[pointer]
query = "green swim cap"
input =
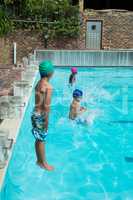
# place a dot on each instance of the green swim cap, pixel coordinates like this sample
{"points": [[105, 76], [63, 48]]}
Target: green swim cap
{"points": [[46, 67]]}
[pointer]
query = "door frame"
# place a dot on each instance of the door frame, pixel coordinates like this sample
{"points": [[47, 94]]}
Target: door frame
{"points": [[95, 20]]}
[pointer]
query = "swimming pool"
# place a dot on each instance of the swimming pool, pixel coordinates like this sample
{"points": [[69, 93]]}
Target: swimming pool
{"points": [[90, 162]]}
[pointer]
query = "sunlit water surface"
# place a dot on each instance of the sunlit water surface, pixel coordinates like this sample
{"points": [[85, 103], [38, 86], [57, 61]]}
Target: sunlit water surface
{"points": [[91, 162]]}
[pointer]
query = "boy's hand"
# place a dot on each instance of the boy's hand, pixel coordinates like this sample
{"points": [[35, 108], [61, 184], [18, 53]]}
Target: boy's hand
{"points": [[83, 109]]}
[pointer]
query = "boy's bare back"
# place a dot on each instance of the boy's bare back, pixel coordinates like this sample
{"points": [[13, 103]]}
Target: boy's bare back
{"points": [[43, 92]]}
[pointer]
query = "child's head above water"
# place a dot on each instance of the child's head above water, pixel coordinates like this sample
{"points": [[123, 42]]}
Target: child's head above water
{"points": [[77, 94], [46, 69], [74, 70]]}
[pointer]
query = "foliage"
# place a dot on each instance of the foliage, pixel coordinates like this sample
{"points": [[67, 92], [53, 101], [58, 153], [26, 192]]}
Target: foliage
{"points": [[56, 18], [45, 7], [68, 26], [5, 23], [9, 1]]}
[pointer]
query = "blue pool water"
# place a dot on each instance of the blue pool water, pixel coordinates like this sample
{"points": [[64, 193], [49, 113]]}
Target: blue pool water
{"points": [[92, 162]]}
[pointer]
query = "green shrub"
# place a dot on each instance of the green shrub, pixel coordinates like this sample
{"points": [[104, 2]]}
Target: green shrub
{"points": [[55, 18], [5, 23]]}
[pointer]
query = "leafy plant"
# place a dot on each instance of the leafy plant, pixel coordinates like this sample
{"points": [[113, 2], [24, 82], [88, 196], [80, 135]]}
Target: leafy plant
{"points": [[55, 18], [5, 23], [9, 1]]}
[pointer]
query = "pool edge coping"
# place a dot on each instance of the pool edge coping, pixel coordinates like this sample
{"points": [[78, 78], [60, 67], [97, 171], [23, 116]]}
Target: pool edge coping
{"points": [[26, 100]]}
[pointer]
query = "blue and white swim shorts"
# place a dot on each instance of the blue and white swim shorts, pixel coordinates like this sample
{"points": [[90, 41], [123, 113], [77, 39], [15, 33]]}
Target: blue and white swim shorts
{"points": [[38, 129]]}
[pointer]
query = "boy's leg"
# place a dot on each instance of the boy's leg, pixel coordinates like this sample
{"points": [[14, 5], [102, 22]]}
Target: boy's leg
{"points": [[39, 146], [40, 153]]}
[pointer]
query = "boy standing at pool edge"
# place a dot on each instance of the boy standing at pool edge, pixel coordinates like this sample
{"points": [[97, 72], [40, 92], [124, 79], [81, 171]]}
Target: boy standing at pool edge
{"points": [[40, 121]]}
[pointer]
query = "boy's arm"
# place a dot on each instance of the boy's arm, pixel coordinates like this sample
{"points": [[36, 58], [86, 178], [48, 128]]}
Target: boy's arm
{"points": [[47, 105]]}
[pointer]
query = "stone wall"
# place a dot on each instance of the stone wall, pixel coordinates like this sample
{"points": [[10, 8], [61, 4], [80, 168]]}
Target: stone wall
{"points": [[117, 29], [27, 41], [5, 51], [117, 32]]}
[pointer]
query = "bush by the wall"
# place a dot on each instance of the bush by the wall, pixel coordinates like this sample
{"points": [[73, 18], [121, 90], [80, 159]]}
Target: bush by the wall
{"points": [[5, 23]]}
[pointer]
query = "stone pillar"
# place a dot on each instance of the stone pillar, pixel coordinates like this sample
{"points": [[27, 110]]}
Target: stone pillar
{"points": [[81, 5]]}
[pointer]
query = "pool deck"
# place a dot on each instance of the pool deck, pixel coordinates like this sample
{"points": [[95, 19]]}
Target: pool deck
{"points": [[12, 125], [8, 73]]}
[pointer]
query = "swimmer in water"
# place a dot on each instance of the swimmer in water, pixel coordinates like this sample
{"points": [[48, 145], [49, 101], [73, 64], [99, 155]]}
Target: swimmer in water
{"points": [[75, 109], [40, 115], [81, 115], [72, 78]]}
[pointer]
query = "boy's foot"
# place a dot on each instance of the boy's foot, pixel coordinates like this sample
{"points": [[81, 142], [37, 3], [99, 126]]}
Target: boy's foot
{"points": [[45, 166]]}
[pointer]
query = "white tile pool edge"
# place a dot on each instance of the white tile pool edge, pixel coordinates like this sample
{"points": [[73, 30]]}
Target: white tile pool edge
{"points": [[26, 100]]}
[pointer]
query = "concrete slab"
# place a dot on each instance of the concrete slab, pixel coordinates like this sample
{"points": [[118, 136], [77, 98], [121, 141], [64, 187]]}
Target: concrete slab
{"points": [[13, 126]]}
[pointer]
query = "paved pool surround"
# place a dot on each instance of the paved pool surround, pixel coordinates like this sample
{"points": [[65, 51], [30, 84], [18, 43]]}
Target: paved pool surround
{"points": [[13, 126]]}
